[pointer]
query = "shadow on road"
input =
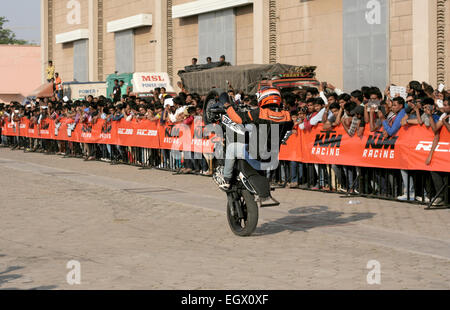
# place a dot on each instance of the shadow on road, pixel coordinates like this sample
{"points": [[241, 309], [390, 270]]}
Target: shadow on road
{"points": [[39, 288], [305, 218], [7, 276]]}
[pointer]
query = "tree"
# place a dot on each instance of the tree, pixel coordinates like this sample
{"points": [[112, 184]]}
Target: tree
{"points": [[7, 36]]}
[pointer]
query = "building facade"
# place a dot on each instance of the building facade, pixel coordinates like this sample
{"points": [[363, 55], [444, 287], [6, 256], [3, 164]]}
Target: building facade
{"points": [[352, 42], [20, 69]]}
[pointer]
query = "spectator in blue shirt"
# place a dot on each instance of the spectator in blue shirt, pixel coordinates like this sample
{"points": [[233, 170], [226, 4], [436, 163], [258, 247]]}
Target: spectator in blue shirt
{"points": [[391, 127], [398, 108]]}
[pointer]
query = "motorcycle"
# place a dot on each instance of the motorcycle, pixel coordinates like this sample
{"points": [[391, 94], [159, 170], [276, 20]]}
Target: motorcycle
{"points": [[250, 189]]}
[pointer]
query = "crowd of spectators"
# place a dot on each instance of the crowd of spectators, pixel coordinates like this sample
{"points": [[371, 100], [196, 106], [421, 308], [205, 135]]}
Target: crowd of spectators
{"points": [[326, 105], [384, 112], [160, 107]]}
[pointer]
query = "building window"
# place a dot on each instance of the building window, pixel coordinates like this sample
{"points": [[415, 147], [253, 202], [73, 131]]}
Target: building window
{"points": [[81, 60], [217, 35], [124, 41], [365, 43]]}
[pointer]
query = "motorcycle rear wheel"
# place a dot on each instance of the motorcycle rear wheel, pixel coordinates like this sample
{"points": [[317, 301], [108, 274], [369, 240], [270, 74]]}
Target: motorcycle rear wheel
{"points": [[246, 226]]}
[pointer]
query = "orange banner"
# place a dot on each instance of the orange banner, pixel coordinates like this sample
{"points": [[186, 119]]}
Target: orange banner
{"points": [[194, 138], [139, 134], [145, 133], [407, 150]]}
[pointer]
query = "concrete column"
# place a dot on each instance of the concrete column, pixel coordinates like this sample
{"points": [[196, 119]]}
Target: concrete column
{"points": [[44, 39], [432, 35], [261, 31], [424, 41], [93, 38], [160, 31]]}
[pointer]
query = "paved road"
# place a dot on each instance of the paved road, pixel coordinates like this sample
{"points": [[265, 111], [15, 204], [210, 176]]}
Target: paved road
{"points": [[149, 229]]}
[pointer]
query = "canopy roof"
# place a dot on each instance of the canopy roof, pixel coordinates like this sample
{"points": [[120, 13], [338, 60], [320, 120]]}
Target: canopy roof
{"points": [[45, 90], [245, 77]]}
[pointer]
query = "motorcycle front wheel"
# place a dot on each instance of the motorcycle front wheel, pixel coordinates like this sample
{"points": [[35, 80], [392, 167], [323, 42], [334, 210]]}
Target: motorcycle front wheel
{"points": [[245, 226]]}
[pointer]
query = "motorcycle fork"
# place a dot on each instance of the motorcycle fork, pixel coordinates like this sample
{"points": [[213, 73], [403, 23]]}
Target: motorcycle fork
{"points": [[236, 205]]}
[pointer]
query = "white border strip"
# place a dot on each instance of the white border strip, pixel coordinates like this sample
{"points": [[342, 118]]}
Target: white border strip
{"points": [[71, 36], [131, 22], [205, 6]]}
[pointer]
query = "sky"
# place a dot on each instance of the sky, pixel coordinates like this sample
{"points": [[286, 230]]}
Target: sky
{"points": [[24, 18]]}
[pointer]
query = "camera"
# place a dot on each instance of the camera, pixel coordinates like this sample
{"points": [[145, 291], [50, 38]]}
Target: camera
{"points": [[375, 104]]}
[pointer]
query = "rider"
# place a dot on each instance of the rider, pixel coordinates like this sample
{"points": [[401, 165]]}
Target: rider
{"points": [[272, 116]]}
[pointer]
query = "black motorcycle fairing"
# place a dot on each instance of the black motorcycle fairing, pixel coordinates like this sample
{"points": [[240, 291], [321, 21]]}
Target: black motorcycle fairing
{"points": [[259, 183]]}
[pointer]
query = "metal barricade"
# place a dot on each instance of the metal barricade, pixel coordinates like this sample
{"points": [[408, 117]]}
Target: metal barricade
{"points": [[422, 187]]}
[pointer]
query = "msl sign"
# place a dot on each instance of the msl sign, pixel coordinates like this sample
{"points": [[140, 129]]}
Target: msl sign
{"points": [[145, 82]]}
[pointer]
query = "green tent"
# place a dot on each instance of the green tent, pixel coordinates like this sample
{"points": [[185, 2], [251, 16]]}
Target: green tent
{"points": [[125, 77]]}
